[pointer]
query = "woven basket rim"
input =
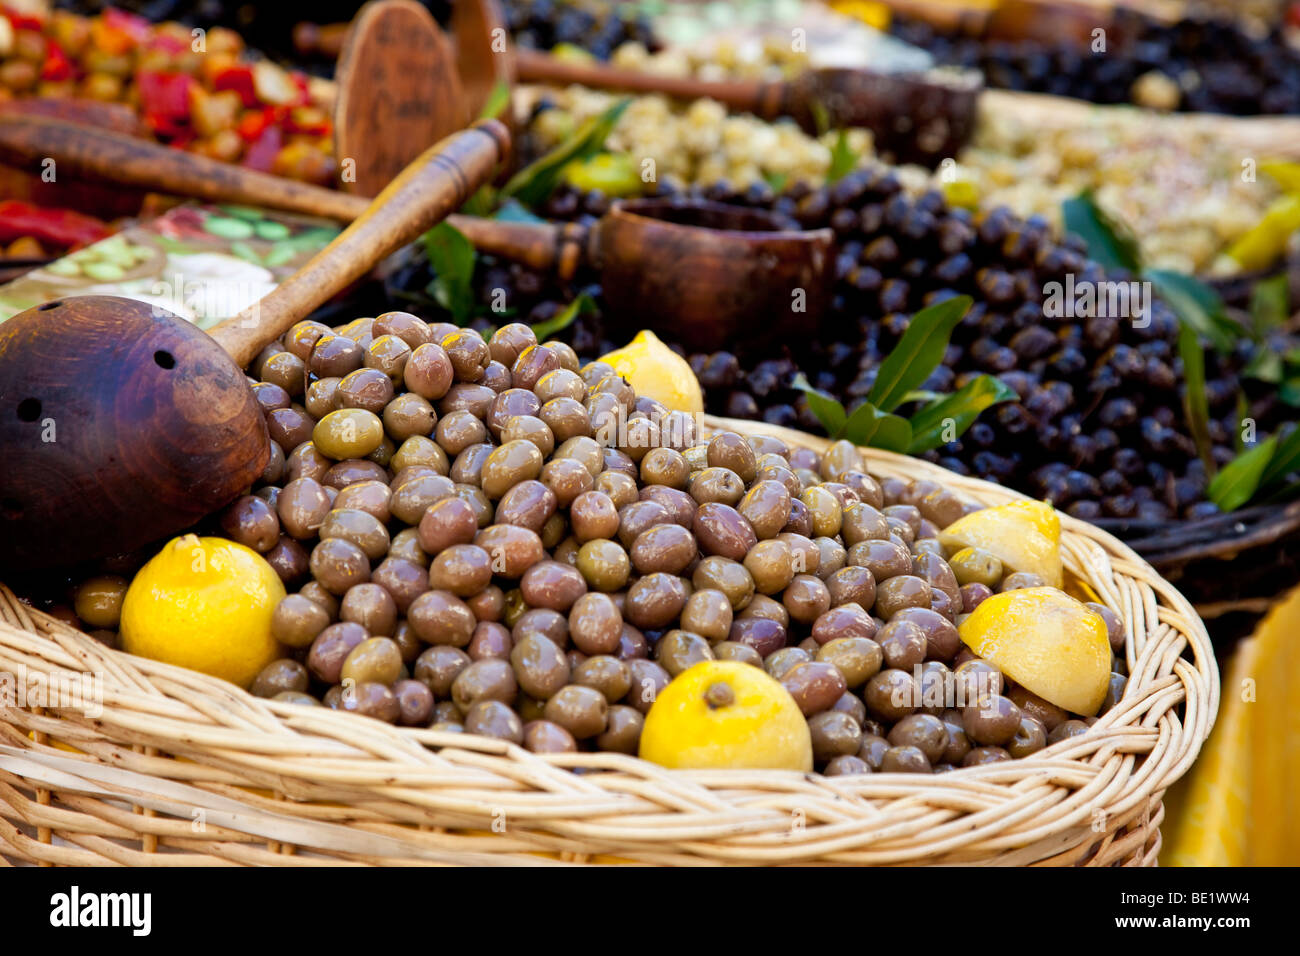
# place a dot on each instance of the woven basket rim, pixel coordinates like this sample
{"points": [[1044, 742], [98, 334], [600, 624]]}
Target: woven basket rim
{"points": [[1035, 809]]}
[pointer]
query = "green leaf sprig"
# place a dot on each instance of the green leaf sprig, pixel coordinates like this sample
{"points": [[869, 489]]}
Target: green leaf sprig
{"points": [[1110, 244], [1113, 247], [1269, 313], [1261, 472], [1196, 404], [582, 305], [497, 101], [452, 258], [943, 417], [534, 183], [844, 158]]}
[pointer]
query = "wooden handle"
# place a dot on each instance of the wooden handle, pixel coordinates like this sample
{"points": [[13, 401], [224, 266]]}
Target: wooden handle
{"points": [[439, 180], [102, 154], [1048, 21], [535, 244], [81, 150], [114, 116], [944, 15], [746, 96]]}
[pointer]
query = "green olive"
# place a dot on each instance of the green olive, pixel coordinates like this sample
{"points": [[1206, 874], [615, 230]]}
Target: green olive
{"points": [[98, 601], [348, 433], [420, 450], [824, 509], [976, 566], [508, 465], [604, 564], [377, 659]]}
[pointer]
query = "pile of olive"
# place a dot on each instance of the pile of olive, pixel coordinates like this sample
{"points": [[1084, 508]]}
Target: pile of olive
{"points": [[482, 536]]}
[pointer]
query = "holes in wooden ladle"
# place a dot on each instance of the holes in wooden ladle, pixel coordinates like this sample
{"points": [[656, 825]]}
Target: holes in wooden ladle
{"points": [[29, 409], [164, 359], [46, 306]]}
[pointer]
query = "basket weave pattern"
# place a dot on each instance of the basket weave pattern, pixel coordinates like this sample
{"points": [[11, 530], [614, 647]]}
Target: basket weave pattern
{"points": [[182, 769]]}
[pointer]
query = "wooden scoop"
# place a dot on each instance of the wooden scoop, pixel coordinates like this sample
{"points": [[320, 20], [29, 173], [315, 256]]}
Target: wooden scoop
{"points": [[705, 273], [121, 424], [702, 272], [914, 118]]}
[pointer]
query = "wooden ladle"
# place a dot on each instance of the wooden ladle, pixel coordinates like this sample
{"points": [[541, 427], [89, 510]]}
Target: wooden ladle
{"points": [[706, 273], [121, 423]]}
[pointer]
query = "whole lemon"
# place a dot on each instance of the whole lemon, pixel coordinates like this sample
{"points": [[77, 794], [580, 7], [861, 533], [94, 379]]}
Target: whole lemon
{"points": [[205, 604], [1046, 641], [656, 371], [726, 714]]}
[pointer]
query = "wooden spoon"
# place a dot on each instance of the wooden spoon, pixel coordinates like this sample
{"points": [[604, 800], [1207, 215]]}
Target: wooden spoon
{"points": [[121, 424], [398, 91], [702, 272]]}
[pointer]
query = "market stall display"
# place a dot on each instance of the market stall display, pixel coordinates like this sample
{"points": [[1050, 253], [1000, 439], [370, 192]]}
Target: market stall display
{"points": [[703, 471], [896, 254], [596, 28], [1190, 187], [697, 143], [204, 263], [1188, 194], [204, 94], [1205, 65], [914, 117]]}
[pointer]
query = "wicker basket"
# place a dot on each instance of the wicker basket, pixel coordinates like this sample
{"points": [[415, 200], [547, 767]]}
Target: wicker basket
{"points": [[183, 769]]}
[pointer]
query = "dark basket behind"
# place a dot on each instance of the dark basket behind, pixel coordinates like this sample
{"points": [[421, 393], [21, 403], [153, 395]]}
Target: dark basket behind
{"points": [[1231, 566]]}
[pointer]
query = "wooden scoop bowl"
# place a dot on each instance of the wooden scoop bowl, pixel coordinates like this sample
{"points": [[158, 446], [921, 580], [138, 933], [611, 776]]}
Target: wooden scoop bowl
{"points": [[398, 91], [702, 272], [705, 273], [121, 424]]}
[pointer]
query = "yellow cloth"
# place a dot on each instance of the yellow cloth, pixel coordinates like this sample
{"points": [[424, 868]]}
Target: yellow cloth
{"points": [[1236, 807]]}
